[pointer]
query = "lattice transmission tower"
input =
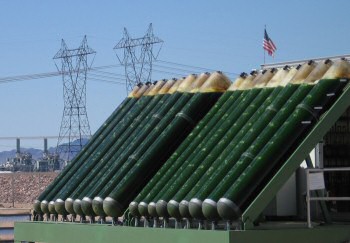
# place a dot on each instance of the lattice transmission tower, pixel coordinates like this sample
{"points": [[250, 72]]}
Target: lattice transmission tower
{"points": [[75, 129], [137, 55]]}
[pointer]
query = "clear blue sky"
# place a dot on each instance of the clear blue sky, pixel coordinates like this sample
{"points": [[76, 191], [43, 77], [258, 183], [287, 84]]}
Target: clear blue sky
{"points": [[223, 35]]}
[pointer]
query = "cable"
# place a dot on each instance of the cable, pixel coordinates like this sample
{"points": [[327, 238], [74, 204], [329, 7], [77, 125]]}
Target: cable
{"points": [[196, 67], [109, 73], [104, 77], [98, 69], [179, 69], [106, 81]]}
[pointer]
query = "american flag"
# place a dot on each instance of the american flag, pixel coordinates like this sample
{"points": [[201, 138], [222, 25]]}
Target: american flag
{"points": [[268, 45]]}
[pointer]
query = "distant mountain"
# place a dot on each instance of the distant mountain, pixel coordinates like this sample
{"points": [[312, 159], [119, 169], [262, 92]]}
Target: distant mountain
{"points": [[36, 153]]}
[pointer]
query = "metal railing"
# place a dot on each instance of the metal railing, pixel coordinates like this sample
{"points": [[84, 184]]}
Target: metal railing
{"points": [[297, 62], [318, 184]]}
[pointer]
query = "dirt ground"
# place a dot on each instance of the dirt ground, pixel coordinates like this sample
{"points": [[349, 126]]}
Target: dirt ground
{"points": [[20, 189]]}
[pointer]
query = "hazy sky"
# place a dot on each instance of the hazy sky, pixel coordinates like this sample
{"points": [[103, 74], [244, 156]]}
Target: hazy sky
{"points": [[222, 35]]}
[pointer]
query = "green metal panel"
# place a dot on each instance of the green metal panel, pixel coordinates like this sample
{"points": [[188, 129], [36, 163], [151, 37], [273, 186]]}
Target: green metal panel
{"points": [[93, 233], [315, 135]]}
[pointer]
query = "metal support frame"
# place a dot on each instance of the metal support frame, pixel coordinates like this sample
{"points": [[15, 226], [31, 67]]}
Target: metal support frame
{"points": [[319, 155], [291, 165], [297, 62], [309, 198], [319, 193]]}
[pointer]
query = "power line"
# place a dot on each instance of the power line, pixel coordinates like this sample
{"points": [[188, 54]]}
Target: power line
{"points": [[172, 66], [105, 77], [108, 73], [196, 67], [106, 81], [45, 75], [33, 137], [179, 69]]}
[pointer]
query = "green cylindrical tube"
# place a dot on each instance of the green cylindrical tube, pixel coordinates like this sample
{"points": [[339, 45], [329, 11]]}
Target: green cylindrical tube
{"points": [[86, 205], [163, 195], [303, 117], [105, 162], [108, 181], [90, 206], [70, 169], [188, 146], [214, 161], [226, 131], [316, 110], [218, 166], [256, 144], [119, 111], [217, 82], [179, 127], [184, 148], [105, 144]]}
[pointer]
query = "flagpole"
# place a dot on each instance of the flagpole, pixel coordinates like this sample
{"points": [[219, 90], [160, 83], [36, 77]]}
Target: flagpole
{"points": [[264, 49], [264, 56]]}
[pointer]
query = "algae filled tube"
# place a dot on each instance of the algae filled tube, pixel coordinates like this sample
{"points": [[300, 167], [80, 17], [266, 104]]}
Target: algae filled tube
{"points": [[116, 160], [56, 205], [70, 169], [170, 164], [193, 111], [168, 181], [174, 162], [304, 116], [100, 190], [103, 165], [105, 162], [182, 184], [106, 127], [225, 132], [127, 103], [128, 158], [182, 123], [303, 128], [241, 103], [105, 144], [202, 78], [260, 81], [218, 163], [268, 125], [234, 99], [125, 148], [236, 153]]}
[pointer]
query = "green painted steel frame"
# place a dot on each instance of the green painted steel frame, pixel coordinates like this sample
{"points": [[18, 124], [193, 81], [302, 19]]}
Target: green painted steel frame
{"points": [[53, 232], [291, 165]]}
